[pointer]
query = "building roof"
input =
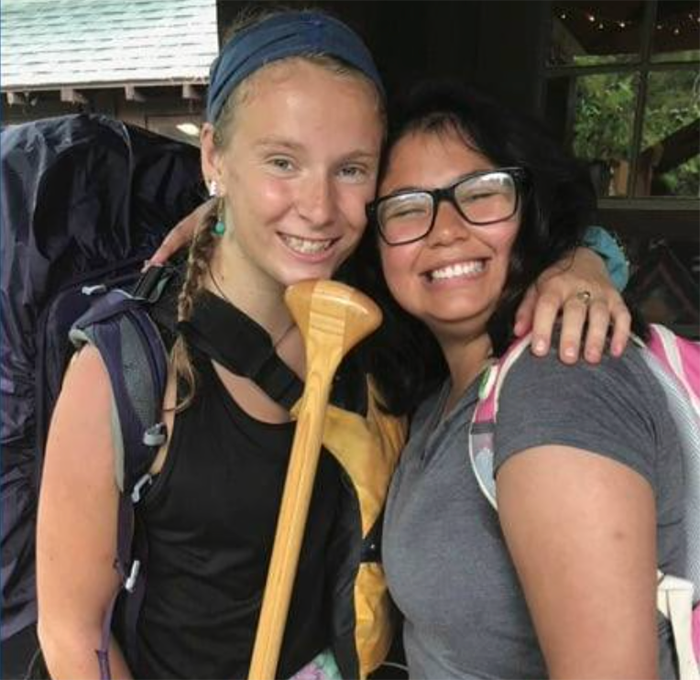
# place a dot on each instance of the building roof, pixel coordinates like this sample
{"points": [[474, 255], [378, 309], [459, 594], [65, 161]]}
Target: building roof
{"points": [[91, 43]]}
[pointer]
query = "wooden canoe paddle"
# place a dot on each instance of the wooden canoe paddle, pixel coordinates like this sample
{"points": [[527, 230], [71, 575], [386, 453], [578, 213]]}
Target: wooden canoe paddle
{"points": [[332, 318]]}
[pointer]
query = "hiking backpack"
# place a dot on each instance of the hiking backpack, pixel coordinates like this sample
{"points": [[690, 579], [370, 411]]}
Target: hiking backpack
{"points": [[84, 200], [675, 363]]}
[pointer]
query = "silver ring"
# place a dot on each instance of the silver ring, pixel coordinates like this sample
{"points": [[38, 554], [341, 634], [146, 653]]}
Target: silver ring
{"points": [[584, 296]]}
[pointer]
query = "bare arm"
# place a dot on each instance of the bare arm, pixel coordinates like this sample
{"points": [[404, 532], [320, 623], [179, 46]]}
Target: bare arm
{"points": [[555, 292], [77, 522], [581, 530]]}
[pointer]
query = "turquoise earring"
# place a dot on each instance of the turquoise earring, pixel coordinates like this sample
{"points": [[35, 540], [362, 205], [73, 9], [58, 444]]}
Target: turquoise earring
{"points": [[219, 229]]}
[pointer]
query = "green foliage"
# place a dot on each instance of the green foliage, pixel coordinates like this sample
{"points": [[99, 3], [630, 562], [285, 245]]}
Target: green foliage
{"points": [[604, 115], [605, 107]]}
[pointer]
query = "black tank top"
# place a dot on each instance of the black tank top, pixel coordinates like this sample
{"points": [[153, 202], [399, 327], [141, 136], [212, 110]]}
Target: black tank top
{"points": [[210, 519]]}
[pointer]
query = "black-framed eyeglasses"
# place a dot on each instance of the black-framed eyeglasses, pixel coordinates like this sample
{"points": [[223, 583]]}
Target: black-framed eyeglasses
{"points": [[481, 198]]}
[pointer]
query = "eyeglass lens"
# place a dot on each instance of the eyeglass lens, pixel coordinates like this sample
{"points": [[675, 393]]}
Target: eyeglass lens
{"points": [[483, 199]]}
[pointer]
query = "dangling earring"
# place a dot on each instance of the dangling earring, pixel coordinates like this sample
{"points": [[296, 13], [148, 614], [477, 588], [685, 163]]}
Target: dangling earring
{"points": [[219, 227]]}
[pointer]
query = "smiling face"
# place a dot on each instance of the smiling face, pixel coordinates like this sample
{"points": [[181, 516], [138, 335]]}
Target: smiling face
{"points": [[298, 167], [453, 278]]}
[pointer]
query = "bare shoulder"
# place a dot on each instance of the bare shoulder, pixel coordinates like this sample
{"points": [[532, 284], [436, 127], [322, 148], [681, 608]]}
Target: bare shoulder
{"points": [[80, 436], [86, 369]]}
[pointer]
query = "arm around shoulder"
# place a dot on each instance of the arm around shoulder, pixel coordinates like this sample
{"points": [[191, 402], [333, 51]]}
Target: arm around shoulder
{"points": [[77, 522]]}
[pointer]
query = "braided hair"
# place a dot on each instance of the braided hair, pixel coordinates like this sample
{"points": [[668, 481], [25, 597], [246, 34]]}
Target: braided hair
{"points": [[201, 250]]}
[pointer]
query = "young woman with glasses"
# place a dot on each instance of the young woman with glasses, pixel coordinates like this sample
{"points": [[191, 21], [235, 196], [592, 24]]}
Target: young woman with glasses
{"points": [[474, 204]]}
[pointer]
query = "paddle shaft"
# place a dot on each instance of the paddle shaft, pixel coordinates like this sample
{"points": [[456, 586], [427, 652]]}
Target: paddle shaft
{"points": [[294, 510], [331, 324]]}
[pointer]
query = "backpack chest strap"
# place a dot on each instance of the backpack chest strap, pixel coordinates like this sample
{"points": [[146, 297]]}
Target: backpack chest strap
{"points": [[237, 342]]}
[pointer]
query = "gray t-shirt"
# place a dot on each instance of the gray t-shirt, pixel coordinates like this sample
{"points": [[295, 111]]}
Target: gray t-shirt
{"points": [[446, 561]]}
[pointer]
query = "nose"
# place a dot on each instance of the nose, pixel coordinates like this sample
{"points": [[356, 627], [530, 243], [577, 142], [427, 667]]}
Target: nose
{"points": [[448, 225], [316, 200]]}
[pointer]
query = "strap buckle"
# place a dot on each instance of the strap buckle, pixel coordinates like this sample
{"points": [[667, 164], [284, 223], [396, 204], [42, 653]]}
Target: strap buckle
{"points": [[137, 491], [130, 582], [156, 435]]}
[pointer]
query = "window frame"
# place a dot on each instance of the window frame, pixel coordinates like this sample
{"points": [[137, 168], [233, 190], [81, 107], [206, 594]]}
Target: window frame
{"points": [[643, 65]]}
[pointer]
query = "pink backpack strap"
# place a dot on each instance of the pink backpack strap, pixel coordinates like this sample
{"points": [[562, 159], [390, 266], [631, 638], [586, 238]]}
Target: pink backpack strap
{"points": [[483, 424], [680, 357], [490, 388]]}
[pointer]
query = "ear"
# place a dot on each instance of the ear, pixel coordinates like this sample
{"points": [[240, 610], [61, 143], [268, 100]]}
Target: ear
{"points": [[211, 158]]}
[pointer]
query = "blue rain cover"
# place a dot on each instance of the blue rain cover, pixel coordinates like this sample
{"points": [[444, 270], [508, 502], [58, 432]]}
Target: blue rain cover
{"points": [[79, 195]]}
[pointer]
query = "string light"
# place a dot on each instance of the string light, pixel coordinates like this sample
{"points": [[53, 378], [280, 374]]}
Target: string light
{"points": [[596, 19], [676, 26]]}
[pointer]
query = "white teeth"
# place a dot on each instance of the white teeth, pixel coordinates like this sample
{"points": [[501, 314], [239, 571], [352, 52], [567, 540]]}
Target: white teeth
{"points": [[460, 269], [302, 245]]}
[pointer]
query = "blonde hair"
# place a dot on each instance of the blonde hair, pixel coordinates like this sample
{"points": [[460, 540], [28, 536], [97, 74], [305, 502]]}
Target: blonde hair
{"points": [[200, 253], [205, 241]]}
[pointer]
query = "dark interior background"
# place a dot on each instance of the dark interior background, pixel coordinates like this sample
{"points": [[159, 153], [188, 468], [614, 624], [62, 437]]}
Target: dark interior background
{"points": [[496, 44]]}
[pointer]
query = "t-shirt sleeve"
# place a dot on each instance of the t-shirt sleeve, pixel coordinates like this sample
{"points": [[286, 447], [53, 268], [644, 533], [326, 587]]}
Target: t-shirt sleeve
{"points": [[607, 409]]}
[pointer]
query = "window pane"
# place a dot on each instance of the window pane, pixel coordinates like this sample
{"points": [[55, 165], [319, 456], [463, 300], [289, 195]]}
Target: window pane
{"points": [[588, 33], [676, 31], [669, 161], [603, 125]]}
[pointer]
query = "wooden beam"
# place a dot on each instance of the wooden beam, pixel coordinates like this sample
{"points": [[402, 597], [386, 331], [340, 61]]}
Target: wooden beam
{"points": [[71, 95], [637, 218], [679, 147], [134, 94]]}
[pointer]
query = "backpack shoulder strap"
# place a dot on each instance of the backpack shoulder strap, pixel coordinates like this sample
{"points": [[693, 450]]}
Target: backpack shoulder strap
{"points": [[483, 424], [119, 327], [680, 357]]}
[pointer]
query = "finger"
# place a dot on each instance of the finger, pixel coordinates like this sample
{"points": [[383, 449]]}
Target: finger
{"points": [[545, 315], [178, 237], [597, 331], [622, 324], [525, 312], [573, 319]]}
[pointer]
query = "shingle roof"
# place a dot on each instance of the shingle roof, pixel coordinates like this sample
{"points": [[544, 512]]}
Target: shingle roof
{"points": [[97, 42]]}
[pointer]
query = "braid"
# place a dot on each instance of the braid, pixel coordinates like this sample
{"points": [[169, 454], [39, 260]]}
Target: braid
{"points": [[197, 263], [203, 245]]}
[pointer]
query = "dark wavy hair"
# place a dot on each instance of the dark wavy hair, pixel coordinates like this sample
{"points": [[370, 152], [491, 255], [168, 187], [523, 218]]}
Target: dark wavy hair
{"points": [[558, 203]]}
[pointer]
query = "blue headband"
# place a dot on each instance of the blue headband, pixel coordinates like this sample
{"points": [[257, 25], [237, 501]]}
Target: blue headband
{"points": [[284, 35]]}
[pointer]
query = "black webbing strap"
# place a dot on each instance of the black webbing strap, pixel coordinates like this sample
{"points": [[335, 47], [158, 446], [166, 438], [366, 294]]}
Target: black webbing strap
{"points": [[234, 340]]}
